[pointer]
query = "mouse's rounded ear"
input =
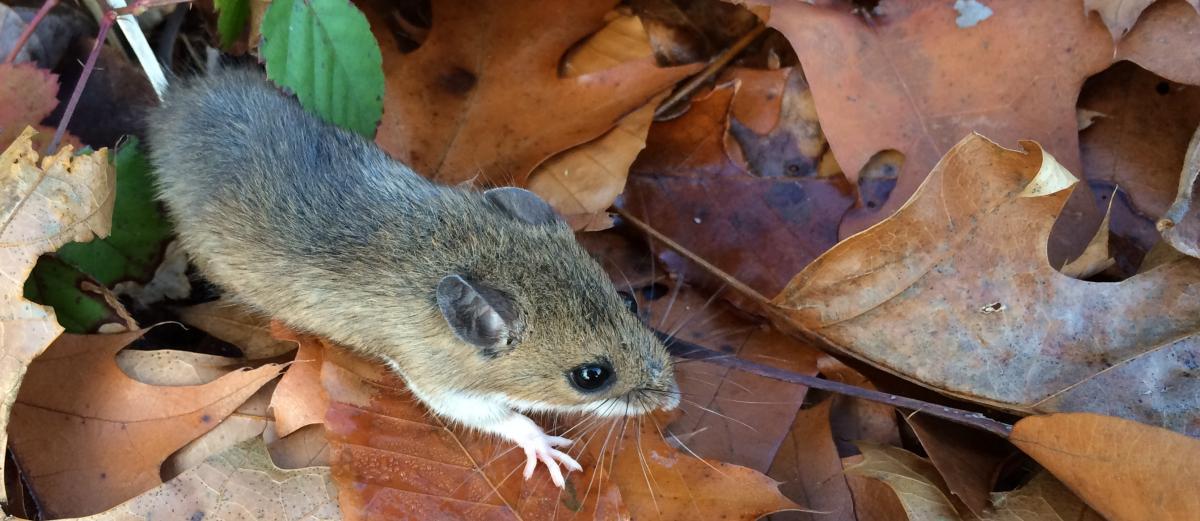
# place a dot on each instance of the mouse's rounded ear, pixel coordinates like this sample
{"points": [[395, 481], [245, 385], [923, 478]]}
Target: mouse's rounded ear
{"points": [[522, 205], [479, 315]]}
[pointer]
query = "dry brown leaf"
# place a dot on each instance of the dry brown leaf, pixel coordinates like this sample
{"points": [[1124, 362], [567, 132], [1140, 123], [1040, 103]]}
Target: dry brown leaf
{"points": [[482, 98], [391, 458], [299, 400], [306, 447], [955, 292], [968, 460], [1180, 224], [914, 480], [852, 419], [1095, 257], [1118, 15], [166, 367], [873, 499], [1124, 469], [913, 81], [1166, 40], [248, 421], [249, 331], [43, 205], [1042, 499], [811, 473], [582, 182], [88, 437], [759, 222], [240, 483]]}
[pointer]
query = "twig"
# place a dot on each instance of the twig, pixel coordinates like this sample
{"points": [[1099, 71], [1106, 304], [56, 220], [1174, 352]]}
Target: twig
{"points": [[29, 28], [711, 70], [106, 23], [684, 349]]}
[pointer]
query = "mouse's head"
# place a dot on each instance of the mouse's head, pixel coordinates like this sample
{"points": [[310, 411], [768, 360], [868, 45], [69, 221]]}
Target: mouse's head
{"points": [[544, 327]]}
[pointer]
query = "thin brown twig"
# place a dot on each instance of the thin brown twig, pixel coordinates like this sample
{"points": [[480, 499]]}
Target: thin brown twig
{"points": [[106, 23], [29, 28], [711, 70], [685, 349]]}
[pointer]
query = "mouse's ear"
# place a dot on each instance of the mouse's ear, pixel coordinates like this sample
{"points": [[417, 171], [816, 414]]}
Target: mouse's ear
{"points": [[479, 315], [522, 205]]}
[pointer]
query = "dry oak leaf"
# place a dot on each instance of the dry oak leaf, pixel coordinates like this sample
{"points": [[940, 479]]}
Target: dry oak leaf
{"points": [[394, 460], [1166, 40], [914, 480], [299, 400], [237, 325], [808, 465], [955, 292], [240, 483], [87, 436], [913, 81], [482, 98], [759, 222], [582, 182], [42, 207], [1120, 15], [1125, 470]]}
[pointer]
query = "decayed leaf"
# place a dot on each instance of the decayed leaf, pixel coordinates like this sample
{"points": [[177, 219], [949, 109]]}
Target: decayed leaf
{"points": [[1123, 469], [759, 222], [42, 207], [28, 95], [934, 82], [482, 98], [240, 483], [249, 331], [914, 480], [954, 292], [392, 458], [1042, 499], [1166, 40], [324, 52], [1118, 15], [1180, 225], [582, 182], [89, 437]]}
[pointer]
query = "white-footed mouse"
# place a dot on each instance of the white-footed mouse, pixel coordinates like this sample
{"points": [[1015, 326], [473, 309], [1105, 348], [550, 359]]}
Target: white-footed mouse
{"points": [[482, 301]]}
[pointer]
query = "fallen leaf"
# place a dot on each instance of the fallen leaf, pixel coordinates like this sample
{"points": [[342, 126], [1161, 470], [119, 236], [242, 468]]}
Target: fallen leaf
{"points": [[482, 98], [27, 93], [969, 461], [250, 420], [808, 466], [241, 483], [1042, 499], [1180, 224], [914, 480], [391, 458], [299, 400], [1166, 40], [242, 327], [42, 207], [166, 367], [761, 222], [1095, 257], [1118, 15], [306, 447], [913, 81], [971, 307], [856, 420], [873, 499], [1123, 469], [582, 182], [88, 437]]}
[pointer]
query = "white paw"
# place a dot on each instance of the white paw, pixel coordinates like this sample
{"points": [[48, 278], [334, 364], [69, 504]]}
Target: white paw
{"points": [[539, 446]]}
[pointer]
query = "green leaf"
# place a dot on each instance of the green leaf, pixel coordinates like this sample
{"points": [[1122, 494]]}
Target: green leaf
{"points": [[132, 251], [231, 19], [324, 52]]}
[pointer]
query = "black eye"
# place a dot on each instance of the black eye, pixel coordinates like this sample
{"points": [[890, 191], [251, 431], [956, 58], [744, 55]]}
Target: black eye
{"points": [[630, 302], [590, 377]]}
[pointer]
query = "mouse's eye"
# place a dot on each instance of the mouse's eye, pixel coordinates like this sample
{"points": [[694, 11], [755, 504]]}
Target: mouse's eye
{"points": [[590, 377], [630, 302]]}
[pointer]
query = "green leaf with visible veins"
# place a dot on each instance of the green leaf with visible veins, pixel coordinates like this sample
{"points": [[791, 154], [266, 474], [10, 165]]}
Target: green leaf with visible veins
{"points": [[133, 251], [324, 52], [231, 19]]}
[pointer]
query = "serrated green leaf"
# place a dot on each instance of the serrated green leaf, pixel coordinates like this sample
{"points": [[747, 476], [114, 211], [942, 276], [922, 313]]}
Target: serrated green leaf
{"points": [[231, 19], [132, 251], [324, 52]]}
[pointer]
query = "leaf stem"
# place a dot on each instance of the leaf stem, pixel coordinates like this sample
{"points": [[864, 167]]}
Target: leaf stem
{"points": [[29, 28], [685, 349]]}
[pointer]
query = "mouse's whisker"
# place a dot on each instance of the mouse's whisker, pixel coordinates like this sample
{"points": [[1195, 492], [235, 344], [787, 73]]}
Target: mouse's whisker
{"points": [[599, 470], [735, 420], [646, 472], [684, 446]]}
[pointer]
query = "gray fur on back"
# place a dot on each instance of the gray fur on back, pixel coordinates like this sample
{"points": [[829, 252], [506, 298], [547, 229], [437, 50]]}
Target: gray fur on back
{"points": [[317, 227]]}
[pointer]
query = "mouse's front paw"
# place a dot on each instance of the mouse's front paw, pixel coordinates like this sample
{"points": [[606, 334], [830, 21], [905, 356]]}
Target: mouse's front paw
{"points": [[539, 446]]}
